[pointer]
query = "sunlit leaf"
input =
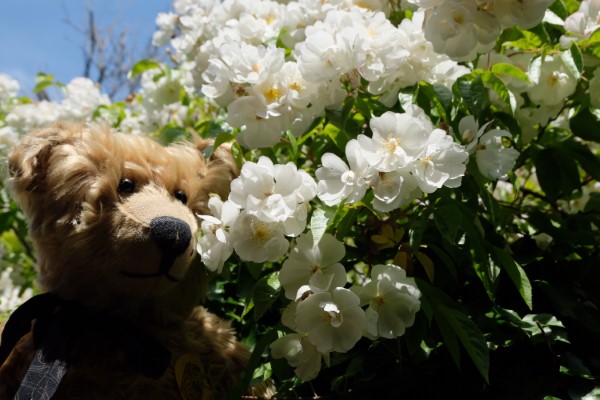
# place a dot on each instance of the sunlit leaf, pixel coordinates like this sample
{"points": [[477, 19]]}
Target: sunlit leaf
{"points": [[573, 60], [142, 66], [509, 70], [318, 224]]}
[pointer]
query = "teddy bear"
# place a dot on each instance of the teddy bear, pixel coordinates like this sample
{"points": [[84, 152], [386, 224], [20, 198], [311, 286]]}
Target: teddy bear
{"points": [[113, 220]]}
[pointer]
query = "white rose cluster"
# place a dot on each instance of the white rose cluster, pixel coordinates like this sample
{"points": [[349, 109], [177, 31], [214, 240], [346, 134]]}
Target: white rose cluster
{"points": [[268, 203], [493, 159], [405, 157], [11, 294], [234, 56], [81, 98], [326, 317], [582, 23], [547, 81], [9, 89], [158, 102], [463, 28]]}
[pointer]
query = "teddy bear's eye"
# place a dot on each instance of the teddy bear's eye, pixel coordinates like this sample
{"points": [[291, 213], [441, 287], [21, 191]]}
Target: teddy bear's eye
{"points": [[126, 186], [181, 196]]}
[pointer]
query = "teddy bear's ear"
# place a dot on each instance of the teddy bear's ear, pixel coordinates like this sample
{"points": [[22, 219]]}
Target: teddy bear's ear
{"points": [[221, 167], [28, 161]]}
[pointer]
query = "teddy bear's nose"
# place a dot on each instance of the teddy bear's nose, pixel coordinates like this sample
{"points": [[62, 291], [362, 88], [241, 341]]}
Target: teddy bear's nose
{"points": [[172, 235]]}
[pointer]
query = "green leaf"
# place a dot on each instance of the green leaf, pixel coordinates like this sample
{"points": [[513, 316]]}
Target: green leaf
{"points": [[44, 81], [115, 112], [265, 340], [484, 191], [418, 227], [448, 220], [265, 293], [293, 144], [544, 328], [509, 70], [238, 153], [529, 41], [560, 9], [446, 260], [497, 85], [449, 337], [517, 276], [473, 92], [336, 135], [405, 98], [570, 63], [585, 124], [535, 70], [577, 58], [440, 98], [485, 269], [454, 324], [42, 85], [556, 171], [318, 224], [471, 338], [222, 137], [443, 94], [342, 220], [591, 45], [142, 66], [589, 161], [249, 307], [572, 365], [169, 134], [553, 19]]}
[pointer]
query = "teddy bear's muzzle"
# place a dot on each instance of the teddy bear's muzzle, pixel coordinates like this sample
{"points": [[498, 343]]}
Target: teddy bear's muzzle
{"points": [[173, 237]]}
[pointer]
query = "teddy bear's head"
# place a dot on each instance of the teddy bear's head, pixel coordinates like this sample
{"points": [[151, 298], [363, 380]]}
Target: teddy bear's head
{"points": [[112, 216]]}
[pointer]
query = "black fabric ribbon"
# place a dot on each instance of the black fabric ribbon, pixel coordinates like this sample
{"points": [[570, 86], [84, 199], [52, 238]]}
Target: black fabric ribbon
{"points": [[62, 329]]}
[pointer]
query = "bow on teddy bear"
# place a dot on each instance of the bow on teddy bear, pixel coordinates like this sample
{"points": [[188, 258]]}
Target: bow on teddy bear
{"points": [[112, 218]]}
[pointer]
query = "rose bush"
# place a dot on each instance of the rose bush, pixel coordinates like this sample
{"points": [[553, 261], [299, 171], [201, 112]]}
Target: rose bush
{"points": [[418, 203]]}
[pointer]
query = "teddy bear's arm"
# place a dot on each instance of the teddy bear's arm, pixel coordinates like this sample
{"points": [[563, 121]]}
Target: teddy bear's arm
{"points": [[214, 338]]}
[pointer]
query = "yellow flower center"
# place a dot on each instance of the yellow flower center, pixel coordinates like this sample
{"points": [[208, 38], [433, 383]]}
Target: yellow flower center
{"points": [[272, 94], [360, 4], [553, 78], [269, 19], [332, 315], [260, 233], [391, 143], [295, 86], [458, 18]]}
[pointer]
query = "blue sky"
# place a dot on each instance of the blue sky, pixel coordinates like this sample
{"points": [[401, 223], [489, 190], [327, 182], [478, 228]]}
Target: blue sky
{"points": [[35, 37]]}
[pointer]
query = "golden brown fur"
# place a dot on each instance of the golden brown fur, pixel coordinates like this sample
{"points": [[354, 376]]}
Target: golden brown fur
{"points": [[88, 236]]}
